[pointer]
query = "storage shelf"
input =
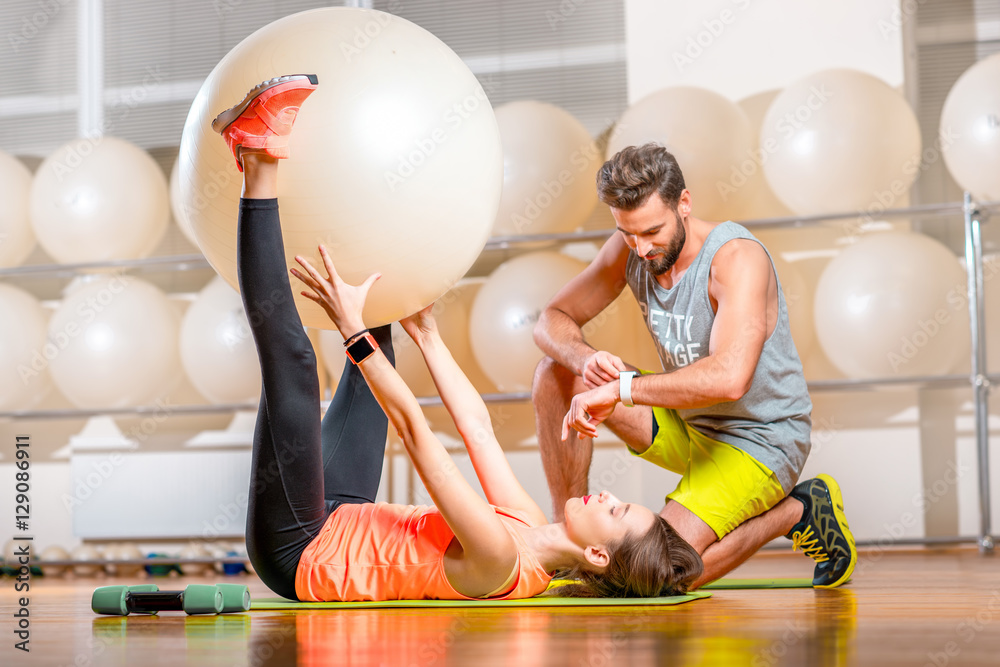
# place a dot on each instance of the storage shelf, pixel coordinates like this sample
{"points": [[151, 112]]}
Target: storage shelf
{"points": [[937, 381], [198, 261]]}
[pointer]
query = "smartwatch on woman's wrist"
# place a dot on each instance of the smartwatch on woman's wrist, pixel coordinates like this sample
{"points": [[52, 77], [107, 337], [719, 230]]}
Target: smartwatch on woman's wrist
{"points": [[362, 348]]}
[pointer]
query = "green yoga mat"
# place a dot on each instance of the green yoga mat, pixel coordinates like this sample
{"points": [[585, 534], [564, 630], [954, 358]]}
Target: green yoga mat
{"points": [[282, 603], [731, 584], [721, 584]]}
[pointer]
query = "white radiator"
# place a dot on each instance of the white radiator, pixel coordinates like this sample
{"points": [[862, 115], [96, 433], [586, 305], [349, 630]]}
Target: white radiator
{"points": [[127, 494]]}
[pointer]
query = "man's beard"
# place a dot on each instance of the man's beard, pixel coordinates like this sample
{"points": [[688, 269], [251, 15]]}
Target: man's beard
{"points": [[660, 264]]}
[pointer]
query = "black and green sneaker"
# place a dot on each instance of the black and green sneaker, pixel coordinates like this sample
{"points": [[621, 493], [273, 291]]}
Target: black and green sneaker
{"points": [[822, 533]]}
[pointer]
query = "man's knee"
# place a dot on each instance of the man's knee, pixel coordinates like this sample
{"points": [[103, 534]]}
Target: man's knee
{"points": [[551, 376]]}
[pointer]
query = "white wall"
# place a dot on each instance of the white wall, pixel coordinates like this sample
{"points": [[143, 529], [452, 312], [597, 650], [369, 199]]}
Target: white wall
{"points": [[741, 47]]}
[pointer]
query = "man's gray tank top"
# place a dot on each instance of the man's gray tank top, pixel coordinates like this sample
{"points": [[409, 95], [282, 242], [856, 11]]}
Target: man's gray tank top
{"points": [[771, 422]]}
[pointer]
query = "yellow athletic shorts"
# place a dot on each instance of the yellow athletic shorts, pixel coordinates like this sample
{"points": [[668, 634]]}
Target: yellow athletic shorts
{"points": [[721, 484]]}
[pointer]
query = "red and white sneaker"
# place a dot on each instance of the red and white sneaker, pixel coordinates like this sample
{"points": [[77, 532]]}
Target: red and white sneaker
{"points": [[262, 122]]}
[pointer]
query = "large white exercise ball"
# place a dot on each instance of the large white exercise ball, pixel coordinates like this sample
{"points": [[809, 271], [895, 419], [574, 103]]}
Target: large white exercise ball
{"points": [[752, 194], [24, 350], [217, 348], [17, 239], [707, 133], [892, 305], [507, 308], [549, 165], [970, 129], [843, 140], [99, 199], [117, 342], [396, 163], [177, 208]]}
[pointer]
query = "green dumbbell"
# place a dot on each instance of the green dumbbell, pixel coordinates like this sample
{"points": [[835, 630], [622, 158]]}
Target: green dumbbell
{"points": [[235, 597], [147, 599]]}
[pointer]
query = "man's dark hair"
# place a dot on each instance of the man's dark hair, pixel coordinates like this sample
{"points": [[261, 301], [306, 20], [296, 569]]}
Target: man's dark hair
{"points": [[628, 179]]}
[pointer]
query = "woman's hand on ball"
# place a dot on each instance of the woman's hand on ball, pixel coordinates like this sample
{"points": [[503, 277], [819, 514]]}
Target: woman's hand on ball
{"points": [[343, 303], [421, 325]]}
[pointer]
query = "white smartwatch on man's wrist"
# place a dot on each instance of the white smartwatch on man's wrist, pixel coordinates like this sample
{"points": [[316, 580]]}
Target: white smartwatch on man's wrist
{"points": [[625, 388]]}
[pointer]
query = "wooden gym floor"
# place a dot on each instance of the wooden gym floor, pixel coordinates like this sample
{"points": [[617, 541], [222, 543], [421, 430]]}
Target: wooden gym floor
{"points": [[903, 607]]}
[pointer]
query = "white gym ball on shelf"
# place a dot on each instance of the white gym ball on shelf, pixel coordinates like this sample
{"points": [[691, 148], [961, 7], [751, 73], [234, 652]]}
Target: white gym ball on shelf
{"points": [[25, 352], [217, 348], [840, 140], [99, 199], [970, 122], [508, 305], [195, 550], [86, 552], [707, 133], [117, 339], [17, 239], [53, 553], [549, 165], [753, 197], [893, 305]]}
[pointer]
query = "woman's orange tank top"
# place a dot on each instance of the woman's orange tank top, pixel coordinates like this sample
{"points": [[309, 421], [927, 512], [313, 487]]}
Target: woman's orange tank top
{"points": [[382, 551]]}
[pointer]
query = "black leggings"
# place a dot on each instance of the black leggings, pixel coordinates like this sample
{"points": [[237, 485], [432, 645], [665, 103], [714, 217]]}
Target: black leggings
{"points": [[302, 469]]}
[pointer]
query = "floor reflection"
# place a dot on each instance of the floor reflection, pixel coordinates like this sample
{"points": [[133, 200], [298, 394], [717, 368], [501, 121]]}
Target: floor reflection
{"points": [[819, 630]]}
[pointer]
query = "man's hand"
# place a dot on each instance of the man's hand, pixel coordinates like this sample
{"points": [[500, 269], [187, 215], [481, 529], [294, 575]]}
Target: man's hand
{"points": [[600, 368], [343, 303], [589, 409]]}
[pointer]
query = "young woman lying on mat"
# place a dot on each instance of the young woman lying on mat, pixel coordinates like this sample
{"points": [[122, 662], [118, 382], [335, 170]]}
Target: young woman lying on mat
{"points": [[314, 531]]}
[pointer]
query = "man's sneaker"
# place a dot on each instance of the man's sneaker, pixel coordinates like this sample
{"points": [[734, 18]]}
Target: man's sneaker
{"points": [[262, 122], [822, 533]]}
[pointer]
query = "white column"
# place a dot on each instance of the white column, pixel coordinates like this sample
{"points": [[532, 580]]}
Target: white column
{"points": [[90, 66]]}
